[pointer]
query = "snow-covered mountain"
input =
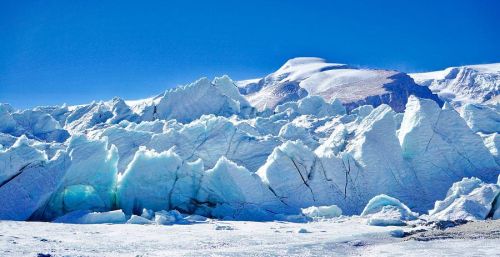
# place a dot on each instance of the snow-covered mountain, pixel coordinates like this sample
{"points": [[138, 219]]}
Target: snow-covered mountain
{"points": [[465, 84], [354, 87], [206, 149]]}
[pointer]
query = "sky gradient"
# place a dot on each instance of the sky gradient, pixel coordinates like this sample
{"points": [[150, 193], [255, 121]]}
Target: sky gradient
{"points": [[54, 52]]}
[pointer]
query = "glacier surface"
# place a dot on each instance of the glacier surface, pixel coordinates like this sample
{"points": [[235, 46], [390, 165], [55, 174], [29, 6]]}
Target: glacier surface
{"points": [[265, 149]]}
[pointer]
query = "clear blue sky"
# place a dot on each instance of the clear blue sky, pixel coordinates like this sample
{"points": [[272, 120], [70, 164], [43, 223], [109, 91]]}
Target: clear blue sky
{"points": [[53, 52]]}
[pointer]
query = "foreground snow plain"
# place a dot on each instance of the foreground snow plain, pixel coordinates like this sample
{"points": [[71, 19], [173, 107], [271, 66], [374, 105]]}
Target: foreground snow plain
{"points": [[336, 237]]}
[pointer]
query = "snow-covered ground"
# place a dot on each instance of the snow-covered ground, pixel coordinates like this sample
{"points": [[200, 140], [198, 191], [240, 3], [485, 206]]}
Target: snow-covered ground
{"points": [[340, 237]]}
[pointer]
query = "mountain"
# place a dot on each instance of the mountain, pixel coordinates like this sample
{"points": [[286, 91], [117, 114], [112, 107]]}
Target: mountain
{"points": [[464, 84], [354, 87]]}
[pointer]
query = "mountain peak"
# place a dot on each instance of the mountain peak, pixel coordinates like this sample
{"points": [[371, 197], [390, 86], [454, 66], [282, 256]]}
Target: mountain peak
{"points": [[303, 76]]}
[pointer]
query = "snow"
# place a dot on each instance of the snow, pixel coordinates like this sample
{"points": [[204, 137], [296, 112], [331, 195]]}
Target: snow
{"points": [[424, 76], [345, 83], [302, 77], [302, 67], [491, 67], [139, 104], [245, 238], [452, 247], [243, 83], [465, 84], [344, 237]]}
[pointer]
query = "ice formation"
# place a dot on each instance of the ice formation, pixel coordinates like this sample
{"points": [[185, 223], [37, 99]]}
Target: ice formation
{"points": [[87, 217], [134, 219], [89, 181], [468, 199], [441, 148], [236, 189], [30, 190], [383, 210], [206, 149], [158, 181], [482, 118], [326, 212]]}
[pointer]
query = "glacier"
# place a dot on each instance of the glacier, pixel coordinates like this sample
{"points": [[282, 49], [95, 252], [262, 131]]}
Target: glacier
{"points": [[291, 146]]}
